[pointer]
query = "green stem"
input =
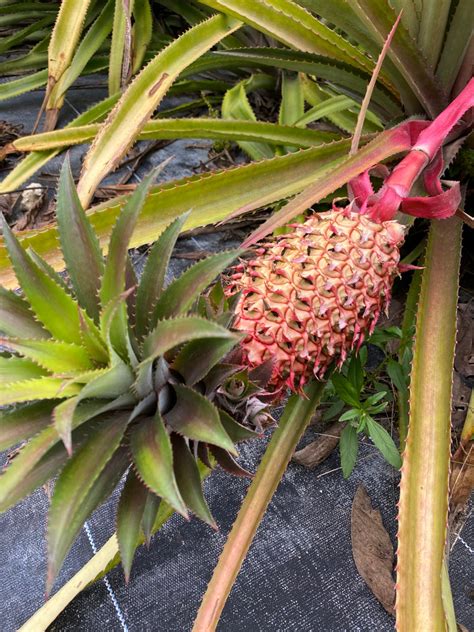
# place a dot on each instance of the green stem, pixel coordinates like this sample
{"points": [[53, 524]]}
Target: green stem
{"points": [[296, 417], [54, 606], [423, 508]]}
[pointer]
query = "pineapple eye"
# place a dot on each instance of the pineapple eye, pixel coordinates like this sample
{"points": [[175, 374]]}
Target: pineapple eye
{"points": [[296, 325], [273, 315], [277, 298], [305, 284]]}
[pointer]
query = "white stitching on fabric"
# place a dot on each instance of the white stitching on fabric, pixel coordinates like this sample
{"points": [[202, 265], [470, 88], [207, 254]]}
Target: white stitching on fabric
{"points": [[118, 610]]}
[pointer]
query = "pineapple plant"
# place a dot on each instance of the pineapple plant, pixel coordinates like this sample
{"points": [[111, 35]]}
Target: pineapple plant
{"points": [[429, 62], [105, 376]]}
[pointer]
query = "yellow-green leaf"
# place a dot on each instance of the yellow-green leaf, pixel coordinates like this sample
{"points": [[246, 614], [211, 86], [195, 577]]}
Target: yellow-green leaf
{"points": [[142, 97]]}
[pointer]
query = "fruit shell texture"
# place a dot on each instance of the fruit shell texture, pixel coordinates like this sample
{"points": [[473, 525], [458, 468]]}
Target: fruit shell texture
{"points": [[312, 295]]}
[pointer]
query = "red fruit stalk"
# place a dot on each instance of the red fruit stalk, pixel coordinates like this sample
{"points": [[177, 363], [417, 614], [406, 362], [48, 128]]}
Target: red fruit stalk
{"points": [[313, 295]]}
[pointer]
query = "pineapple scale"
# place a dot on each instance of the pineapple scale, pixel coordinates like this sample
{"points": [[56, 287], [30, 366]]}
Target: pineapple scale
{"points": [[312, 296]]}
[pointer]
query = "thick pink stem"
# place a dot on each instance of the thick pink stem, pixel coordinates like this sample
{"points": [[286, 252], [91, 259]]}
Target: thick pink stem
{"points": [[430, 140]]}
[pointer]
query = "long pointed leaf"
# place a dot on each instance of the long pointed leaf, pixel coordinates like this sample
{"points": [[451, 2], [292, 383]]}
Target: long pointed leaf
{"points": [[197, 418], [220, 129], [34, 161], [65, 35], [14, 369], [55, 356], [142, 32], [84, 54], [79, 244], [129, 516], [101, 488], [235, 105], [16, 318], [23, 422], [249, 186], [142, 97], [121, 23], [153, 459], [170, 333], [291, 24], [197, 358], [180, 295], [236, 431], [18, 478], [150, 512], [379, 18], [113, 282], [349, 80], [109, 384], [54, 307], [457, 41], [189, 481], [154, 274], [36, 389], [426, 460], [73, 485]]}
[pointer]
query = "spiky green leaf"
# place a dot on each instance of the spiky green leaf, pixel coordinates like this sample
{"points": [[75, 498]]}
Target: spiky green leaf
{"points": [[113, 282], [52, 355], [80, 246], [154, 274], [104, 384], [75, 482], [153, 459], [150, 513], [170, 333], [189, 481], [23, 422], [129, 516], [235, 105], [16, 318], [14, 369], [179, 296], [236, 431], [228, 463], [142, 31], [195, 417], [198, 357], [53, 306], [102, 487], [29, 465], [36, 389]]}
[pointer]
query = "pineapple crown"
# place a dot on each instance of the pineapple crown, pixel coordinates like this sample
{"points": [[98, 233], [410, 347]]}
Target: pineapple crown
{"points": [[108, 375]]}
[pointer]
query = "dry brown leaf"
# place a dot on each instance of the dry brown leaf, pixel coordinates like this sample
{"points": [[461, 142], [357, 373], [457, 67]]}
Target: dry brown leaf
{"points": [[372, 549], [318, 451]]}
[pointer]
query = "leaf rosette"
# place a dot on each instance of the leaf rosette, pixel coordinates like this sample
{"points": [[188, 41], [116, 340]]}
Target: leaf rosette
{"points": [[106, 376]]}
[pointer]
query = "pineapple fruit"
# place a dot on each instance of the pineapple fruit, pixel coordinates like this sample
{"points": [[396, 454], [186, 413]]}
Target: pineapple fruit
{"points": [[311, 296]]}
